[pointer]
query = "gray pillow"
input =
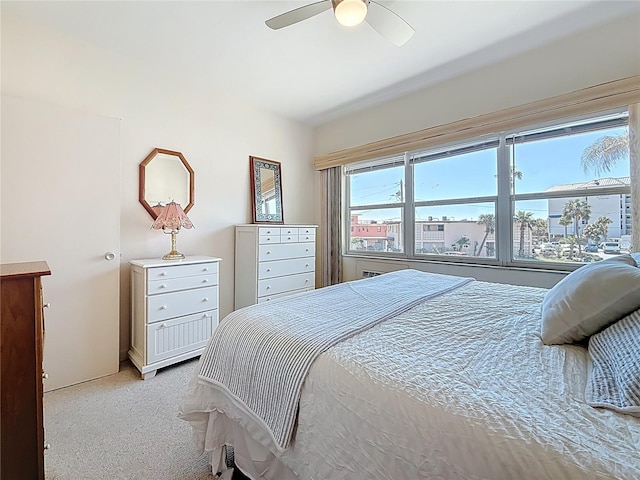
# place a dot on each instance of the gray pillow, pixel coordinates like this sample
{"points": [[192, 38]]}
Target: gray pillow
{"points": [[614, 376], [589, 299]]}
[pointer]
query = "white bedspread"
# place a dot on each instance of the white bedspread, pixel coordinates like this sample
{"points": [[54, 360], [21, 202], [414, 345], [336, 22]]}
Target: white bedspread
{"points": [[260, 355], [459, 387]]}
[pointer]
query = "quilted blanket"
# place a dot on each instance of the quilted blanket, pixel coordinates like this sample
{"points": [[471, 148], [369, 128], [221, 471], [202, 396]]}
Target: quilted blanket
{"points": [[259, 355]]}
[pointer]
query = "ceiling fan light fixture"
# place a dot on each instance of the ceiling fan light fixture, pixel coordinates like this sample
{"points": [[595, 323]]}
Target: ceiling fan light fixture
{"points": [[350, 12]]}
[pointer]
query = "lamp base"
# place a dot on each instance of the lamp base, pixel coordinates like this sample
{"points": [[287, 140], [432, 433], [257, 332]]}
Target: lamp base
{"points": [[173, 255]]}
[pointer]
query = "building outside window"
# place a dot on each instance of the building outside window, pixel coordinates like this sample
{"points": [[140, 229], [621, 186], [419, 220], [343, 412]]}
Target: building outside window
{"points": [[529, 197]]}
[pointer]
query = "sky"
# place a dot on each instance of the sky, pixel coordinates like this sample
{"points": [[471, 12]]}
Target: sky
{"points": [[543, 164]]}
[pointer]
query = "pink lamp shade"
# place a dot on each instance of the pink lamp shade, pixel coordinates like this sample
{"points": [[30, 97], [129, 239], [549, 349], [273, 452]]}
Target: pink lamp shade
{"points": [[172, 217], [170, 220]]}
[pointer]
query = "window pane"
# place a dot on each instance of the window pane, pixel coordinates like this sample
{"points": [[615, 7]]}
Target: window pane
{"points": [[376, 230], [460, 230], [459, 176], [377, 187], [571, 229], [555, 163]]}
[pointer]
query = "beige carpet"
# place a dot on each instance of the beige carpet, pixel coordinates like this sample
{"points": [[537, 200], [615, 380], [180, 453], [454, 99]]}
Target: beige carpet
{"points": [[121, 427]]}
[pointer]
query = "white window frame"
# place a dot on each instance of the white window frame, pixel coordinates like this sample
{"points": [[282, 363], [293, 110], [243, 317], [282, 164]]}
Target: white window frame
{"points": [[504, 201]]}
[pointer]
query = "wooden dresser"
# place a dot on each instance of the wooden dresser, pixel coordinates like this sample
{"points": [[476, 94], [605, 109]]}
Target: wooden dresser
{"points": [[174, 310], [22, 331], [273, 261]]}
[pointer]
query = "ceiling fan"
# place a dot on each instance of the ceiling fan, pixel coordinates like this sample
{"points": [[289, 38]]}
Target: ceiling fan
{"points": [[350, 13]]}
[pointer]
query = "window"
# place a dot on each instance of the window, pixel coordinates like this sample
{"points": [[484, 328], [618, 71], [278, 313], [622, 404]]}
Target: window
{"points": [[376, 198], [455, 200], [534, 197], [562, 200]]}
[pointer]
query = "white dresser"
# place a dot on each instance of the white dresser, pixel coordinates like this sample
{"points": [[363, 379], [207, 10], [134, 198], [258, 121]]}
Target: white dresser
{"points": [[174, 310], [273, 261]]}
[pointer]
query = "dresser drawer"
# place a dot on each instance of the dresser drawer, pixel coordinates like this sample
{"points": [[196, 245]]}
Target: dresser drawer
{"points": [[280, 268], [175, 271], [306, 231], [285, 250], [179, 335], [289, 238], [183, 283], [307, 237], [272, 286], [266, 231], [268, 298], [266, 239], [168, 305]]}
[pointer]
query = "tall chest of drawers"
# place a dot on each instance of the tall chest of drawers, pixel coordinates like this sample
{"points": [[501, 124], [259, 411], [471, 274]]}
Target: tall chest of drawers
{"points": [[22, 335], [174, 310], [273, 261]]}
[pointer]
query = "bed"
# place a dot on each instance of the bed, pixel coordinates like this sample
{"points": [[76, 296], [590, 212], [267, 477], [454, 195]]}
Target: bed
{"points": [[454, 383]]}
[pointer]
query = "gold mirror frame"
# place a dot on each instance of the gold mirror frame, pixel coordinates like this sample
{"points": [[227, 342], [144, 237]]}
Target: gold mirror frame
{"points": [[148, 183], [266, 191]]}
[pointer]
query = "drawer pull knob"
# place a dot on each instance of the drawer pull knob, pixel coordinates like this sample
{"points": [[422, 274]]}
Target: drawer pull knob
{"points": [[45, 375], [205, 299], [206, 280], [163, 325], [306, 281], [268, 299], [288, 238], [306, 264], [268, 287], [46, 305], [268, 239], [205, 269], [268, 269], [163, 274], [268, 253], [306, 249], [163, 307], [163, 286]]}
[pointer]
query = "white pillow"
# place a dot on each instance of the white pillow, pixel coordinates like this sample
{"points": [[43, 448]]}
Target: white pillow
{"points": [[614, 376], [589, 299]]}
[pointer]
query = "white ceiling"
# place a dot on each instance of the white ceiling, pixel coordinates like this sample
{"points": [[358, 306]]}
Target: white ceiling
{"points": [[316, 69]]}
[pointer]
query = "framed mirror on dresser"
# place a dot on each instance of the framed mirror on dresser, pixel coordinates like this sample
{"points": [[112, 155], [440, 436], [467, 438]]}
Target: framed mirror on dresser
{"points": [[266, 191]]}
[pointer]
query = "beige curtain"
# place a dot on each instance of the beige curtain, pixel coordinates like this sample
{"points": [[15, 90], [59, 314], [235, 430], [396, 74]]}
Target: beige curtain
{"points": [[330, 226], [634, 158]]}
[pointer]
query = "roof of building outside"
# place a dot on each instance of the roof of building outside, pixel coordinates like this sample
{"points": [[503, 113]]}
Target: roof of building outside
{"points": [[597, 183]]}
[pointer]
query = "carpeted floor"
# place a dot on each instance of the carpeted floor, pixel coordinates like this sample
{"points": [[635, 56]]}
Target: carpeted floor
{"points": [[122, 428]]}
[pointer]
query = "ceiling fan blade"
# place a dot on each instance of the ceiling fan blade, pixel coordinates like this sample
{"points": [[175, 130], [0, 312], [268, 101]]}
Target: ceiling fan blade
{"points": [[298, 14], [389, 24]]}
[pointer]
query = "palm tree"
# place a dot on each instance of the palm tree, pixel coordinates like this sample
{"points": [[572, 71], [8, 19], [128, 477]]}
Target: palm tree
{"points": [[540, 229], [526, 220], [572, 241], [577, 210], [462, 242], [597, 230], [565, 222], [604, 153], [489, 222]]}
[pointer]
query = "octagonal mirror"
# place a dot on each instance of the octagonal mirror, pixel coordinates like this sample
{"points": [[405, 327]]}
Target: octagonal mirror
{"points": [[165, 176]]}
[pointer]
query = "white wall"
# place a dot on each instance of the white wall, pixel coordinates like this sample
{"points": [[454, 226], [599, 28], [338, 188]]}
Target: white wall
{"points": [[215, 133], [606, 53]]}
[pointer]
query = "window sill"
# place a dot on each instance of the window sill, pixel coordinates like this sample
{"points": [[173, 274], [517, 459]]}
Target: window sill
{"points": [[537, 267]]}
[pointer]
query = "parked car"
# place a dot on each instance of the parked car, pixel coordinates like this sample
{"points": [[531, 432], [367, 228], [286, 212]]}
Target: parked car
{"points": [[590, 248], [611, 247]]}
